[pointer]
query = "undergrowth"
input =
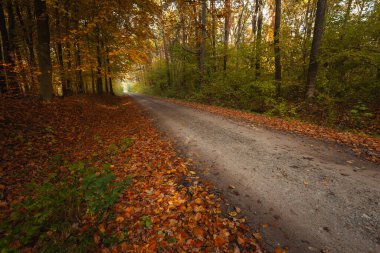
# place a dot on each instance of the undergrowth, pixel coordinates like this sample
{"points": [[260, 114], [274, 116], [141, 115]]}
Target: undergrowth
{"points": [[59, 215]]}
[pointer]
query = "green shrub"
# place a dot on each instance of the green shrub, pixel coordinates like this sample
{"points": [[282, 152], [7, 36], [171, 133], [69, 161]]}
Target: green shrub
{"points": [[49, 220]]}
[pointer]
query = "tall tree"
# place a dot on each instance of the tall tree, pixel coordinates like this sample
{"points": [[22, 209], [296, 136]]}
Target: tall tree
{"points": [[5, 50], [314, 53], [227, 26], [203, 42], [259, 37], [44, 60], [277, 49]]}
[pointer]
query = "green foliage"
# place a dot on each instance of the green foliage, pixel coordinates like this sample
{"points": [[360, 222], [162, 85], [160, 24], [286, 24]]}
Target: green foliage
{"points": [[348, 72], [146, 221], [49, 219], [112, 149], [125, 144]]}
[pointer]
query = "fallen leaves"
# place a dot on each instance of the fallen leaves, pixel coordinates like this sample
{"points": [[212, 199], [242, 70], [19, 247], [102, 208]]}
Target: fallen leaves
{"points": [[361, 144], [166, 207]]}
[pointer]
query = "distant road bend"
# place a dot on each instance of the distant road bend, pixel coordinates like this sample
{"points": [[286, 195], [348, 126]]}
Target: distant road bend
{"points": [[312, 196]]}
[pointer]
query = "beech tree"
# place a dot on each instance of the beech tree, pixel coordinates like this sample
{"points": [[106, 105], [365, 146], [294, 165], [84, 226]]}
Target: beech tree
{"points": [[277, 50], [314, 53], [44, 60]]}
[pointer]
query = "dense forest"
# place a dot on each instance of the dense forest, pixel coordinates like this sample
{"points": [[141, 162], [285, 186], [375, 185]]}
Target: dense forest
{"points": [[73, 47], [312, 59], [315, 60]]}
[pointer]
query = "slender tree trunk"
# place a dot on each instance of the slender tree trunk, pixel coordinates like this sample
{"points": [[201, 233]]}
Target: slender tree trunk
{"points": [[6, 51], [203, 43], [317, 38], [44, 60], [254, 18], [99, 80], [277, 50], [183, 42], [28, 36], [68, 89], [307, 34], [227, 25], [259, 38], [60, 52], [79, 74], [109, 71], [345, 19], [92, 81], [213, 34], [240, 27]]}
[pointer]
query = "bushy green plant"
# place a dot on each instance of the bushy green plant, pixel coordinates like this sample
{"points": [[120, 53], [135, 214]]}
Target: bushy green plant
{"points": [[50, 218]]}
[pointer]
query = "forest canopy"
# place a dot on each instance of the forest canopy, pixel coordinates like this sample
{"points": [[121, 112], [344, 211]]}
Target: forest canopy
{"points": [[317, 60]]}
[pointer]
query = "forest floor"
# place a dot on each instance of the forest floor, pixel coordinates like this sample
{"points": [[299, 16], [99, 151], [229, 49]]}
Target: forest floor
{"points": [[165, 208], [308, 188]]}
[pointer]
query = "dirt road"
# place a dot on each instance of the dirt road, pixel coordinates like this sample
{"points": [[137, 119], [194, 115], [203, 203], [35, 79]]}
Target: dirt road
{"points": [[310, 195]]}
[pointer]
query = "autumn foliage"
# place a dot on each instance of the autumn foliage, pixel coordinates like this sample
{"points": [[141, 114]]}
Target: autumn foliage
{"points": [[166, 207]]}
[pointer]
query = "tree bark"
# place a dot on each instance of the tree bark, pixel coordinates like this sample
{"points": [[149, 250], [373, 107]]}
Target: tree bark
{"points": [[258, 38], [60, 52], [227, 24], [277, 49], [213, 33], [6, 52], [44, 60], [109, 72], [317, 38], [203, 43], [99, 80], [166, 53], [79, 74], [307, 34]]}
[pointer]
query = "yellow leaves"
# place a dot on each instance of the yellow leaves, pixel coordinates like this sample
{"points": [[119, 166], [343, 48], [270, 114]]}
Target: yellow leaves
{"points": [[232, 214], [120, 219], [102, 228], [198, 201], [137, 56]]}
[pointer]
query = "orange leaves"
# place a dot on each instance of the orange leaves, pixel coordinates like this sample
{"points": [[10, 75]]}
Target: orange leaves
{"points": [[164, 207], [219, 241]]}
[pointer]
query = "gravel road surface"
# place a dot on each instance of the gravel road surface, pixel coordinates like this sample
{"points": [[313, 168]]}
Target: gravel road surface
{"points": [[309, 195]]}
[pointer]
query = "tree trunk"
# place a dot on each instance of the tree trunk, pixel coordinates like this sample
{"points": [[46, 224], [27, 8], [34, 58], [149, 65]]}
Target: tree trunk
{"points": [[92, 81], [99, 80], [166, 53], [317, 38], [109, 72], [79, 74], [258, 38], [5, 46], [277, 50], [307, 34], [213, 34], [60, 52], [28, 36], [203, 43], [227, 18], [44, 60], [254, 18]]}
